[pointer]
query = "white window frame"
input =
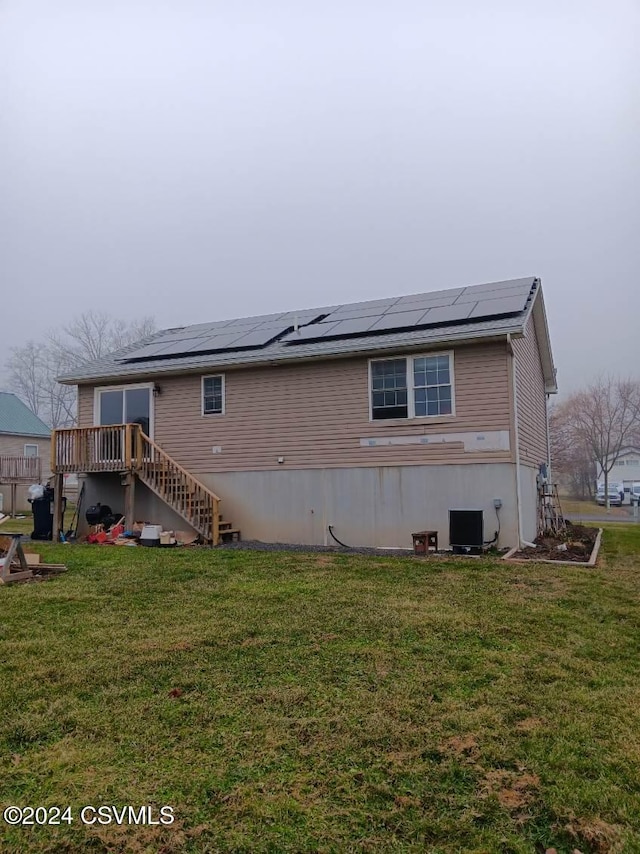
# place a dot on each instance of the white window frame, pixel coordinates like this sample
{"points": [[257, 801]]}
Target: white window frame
{"points": [[411, 403], [31, 445], [224, 395], [124, 387]]}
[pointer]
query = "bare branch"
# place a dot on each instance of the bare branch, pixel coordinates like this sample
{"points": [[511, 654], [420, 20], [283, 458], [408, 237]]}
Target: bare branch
{"points": [[33, 368]]}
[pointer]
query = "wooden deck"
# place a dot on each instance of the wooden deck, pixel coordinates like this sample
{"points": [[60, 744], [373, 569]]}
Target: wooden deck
{"points": [[93, 449], [126, 449]]}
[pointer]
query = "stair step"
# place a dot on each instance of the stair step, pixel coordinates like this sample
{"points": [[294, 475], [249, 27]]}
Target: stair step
{"points": [[230, 534]]}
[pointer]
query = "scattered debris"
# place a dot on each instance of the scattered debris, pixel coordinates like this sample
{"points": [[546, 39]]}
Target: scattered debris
{"points": [[140, 533], [16, 566]]}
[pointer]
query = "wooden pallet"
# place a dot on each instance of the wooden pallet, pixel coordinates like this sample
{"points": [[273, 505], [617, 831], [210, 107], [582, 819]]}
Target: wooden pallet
{"points": [[16, 567]]}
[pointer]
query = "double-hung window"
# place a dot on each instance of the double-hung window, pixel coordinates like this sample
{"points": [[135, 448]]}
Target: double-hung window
{"points": [[412, 386], [213, 395]]}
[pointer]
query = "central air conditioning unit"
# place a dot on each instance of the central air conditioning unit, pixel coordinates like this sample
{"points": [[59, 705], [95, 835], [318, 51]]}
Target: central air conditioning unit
{"points": [[466, 531]]}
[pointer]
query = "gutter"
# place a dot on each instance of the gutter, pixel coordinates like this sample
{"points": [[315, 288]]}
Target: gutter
{"points": [[517, 439]]}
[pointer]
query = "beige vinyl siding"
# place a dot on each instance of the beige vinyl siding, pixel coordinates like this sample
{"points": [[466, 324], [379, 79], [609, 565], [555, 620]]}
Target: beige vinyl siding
{"points": [[532, 402], [315, 414], [85, 406]]}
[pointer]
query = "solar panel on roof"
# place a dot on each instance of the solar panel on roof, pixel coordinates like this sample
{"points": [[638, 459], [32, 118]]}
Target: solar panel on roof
{"points": [[244, 333], [418, 311], [256, 338], [441, 297], [447, 313], [373, 317], [399, 321], [350, 326], [424, 303], [347, 312], [505, 293], [495, 307], [498, 286]]}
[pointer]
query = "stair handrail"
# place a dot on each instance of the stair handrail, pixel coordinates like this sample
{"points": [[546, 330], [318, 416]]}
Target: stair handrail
{"points": [[183, 470]]}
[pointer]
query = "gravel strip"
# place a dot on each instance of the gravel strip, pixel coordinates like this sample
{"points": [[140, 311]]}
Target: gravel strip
{"points": [[257, 545]]}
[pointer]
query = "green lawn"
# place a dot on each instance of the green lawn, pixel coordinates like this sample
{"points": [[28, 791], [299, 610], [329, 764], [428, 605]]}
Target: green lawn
{"points": [[23, 524], [584, 507], [319, 703]]}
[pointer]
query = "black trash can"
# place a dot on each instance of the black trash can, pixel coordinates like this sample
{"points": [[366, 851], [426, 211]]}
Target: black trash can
{"points": [[43, 515]]}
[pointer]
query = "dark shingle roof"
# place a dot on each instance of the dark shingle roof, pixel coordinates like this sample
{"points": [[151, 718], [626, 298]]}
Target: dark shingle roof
{"points": [[17, 419]]}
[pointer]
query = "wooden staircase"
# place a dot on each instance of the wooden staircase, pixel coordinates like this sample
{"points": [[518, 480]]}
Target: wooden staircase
{"points": [[125, 448]]}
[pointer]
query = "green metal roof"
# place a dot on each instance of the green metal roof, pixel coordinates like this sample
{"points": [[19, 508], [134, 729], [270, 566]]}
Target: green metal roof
{"points": [[16, 418]]}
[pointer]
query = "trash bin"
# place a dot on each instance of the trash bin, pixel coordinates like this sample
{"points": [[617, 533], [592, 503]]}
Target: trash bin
{"points": [[42, 509]]}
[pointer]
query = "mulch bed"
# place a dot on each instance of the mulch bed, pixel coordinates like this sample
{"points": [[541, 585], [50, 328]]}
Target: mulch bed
{"points": [[578, 539]]}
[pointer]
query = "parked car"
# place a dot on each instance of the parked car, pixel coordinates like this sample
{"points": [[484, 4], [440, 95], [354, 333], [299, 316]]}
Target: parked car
{"points": [[635, 493], [614, 496]]}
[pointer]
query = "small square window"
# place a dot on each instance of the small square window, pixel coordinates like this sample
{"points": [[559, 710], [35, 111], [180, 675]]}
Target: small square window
{"points": [[212, 395], [31, 451]]}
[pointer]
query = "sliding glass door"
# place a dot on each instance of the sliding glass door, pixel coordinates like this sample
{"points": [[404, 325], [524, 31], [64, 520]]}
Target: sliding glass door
{"points": [[128, 405], [125, 405]]}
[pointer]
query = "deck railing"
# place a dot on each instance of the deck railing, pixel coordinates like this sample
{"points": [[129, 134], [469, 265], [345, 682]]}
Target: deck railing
{"points": [[92, 449], [20, 469]]}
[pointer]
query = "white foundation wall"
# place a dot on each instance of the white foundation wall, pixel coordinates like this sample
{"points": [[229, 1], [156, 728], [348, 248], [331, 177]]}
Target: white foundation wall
{"points": [[378, 506]]}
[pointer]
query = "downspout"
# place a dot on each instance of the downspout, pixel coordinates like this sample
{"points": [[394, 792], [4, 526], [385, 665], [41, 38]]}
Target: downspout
{"points": [[514, 388], [546, 412]]}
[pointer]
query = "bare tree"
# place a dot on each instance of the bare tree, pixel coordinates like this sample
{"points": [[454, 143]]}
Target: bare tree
{"points": [[605, 418], [25, 368], [571, 458], [33, 368], [93, 334]]}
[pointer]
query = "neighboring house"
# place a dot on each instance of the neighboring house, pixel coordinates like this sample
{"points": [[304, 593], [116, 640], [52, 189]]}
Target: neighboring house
{"points": [[625, 470], [374, 418], [25, 451]]}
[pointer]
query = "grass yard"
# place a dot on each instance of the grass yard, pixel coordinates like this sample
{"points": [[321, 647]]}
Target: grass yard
{"points": [[317, 703], [23, 524], [582, 507]]}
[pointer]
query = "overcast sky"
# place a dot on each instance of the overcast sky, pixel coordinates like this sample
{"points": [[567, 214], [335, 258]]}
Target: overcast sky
{"points": [[205, 160]]}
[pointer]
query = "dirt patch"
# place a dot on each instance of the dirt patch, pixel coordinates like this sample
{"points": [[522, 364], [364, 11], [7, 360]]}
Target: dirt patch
{"points": [[529, 724], [324, 561], [462, 746], [575, 544], [514, 791], [601, 837]]}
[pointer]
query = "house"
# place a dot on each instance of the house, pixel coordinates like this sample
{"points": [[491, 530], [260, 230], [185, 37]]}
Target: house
{"points": [[25, 451], [367, 421], [625, 471]]}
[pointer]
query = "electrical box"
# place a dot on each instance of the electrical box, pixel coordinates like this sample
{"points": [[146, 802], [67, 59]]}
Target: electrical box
{"points": [[466, 529]]}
